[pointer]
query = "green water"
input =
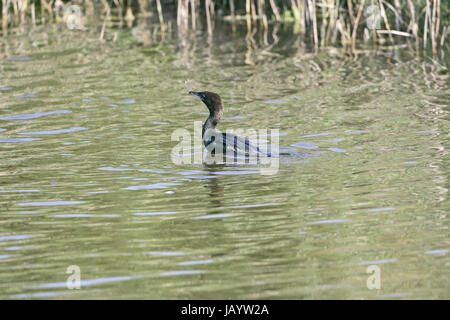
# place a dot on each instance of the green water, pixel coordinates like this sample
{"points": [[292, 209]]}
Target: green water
{"points": [[86, 176]]}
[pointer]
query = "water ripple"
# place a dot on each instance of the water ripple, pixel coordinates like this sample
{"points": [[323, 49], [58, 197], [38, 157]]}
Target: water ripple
{"points": [[153, 213], [18, 237], [194, 262], [317, 134], [129, 101], [86, 283], [212, 216], [165, 253], [19, 139], [439, 251], [365, 263], [160, 185], [26, 190], [50, 203], [73, 129], [34, 115], [181, 272], [304, 145], [329, 221]]}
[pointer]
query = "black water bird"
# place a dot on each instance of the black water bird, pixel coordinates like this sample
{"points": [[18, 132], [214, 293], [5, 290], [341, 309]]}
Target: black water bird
{"points": [[214, 139]]}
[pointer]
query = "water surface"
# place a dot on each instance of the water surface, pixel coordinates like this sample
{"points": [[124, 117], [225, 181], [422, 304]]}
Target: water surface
{"points": [[86, 177]]}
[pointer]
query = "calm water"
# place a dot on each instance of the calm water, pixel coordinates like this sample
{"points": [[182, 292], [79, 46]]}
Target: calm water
{"points": [[86, 177]]}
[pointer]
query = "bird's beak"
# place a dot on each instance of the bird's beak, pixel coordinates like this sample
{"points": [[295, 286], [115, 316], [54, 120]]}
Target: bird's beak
{"points": [[197, 94]]}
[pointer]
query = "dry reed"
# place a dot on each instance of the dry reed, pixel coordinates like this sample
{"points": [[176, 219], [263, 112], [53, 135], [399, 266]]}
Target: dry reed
{"points": [[324, 21]]}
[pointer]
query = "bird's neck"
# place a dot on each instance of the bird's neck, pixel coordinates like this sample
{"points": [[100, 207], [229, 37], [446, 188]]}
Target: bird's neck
{"points": [[212, 121]]}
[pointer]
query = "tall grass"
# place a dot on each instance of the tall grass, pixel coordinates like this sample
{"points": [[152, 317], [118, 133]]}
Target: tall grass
{"points": [[325, 22]]}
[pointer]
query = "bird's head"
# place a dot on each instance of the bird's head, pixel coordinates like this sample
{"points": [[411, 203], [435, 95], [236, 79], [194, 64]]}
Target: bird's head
{"points": [[212, 101]]}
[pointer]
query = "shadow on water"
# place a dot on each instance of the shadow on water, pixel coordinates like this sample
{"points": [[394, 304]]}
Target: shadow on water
{"points": [[215, 189]]}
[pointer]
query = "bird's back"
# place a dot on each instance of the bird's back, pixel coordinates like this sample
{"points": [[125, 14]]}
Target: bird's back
{"points": [[231, 144]]}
